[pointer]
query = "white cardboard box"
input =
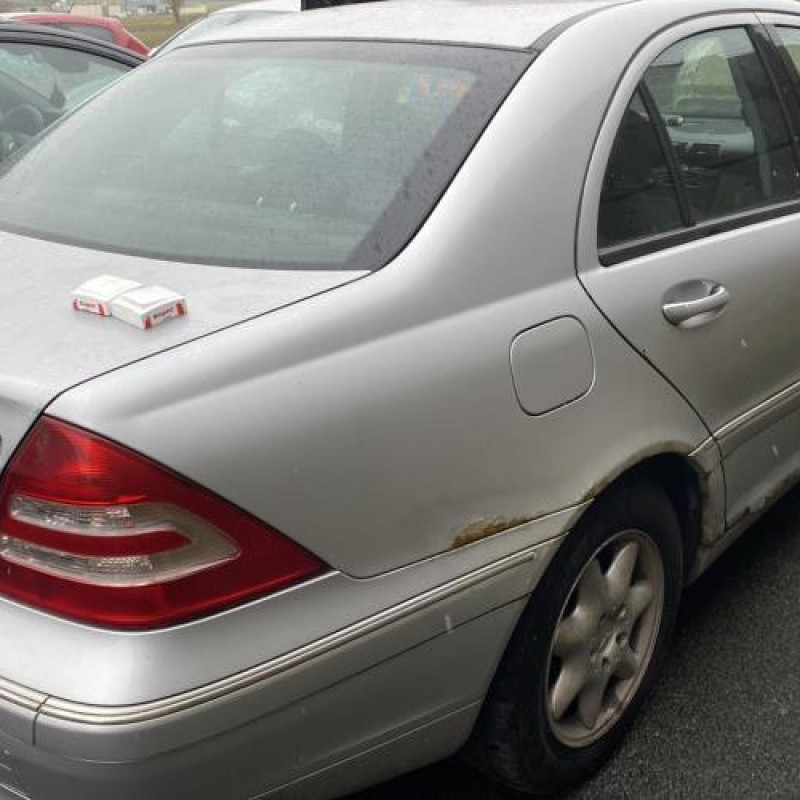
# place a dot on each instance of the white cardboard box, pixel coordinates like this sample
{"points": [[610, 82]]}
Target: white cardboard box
{"points": [[97, 294], [148, 306]]}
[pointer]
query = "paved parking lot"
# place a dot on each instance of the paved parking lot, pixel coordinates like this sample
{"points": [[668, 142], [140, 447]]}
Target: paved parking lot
{"points": [[725, 719]]}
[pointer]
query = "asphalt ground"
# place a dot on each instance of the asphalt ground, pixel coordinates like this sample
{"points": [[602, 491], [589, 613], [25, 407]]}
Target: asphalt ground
{"points": [[724, 720]]}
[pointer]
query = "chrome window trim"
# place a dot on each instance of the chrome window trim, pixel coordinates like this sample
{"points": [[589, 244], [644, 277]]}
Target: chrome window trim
{"points": [[638, 248]]}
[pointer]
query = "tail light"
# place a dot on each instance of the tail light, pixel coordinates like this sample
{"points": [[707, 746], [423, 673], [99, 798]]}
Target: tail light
{"points": [[97, 532]]}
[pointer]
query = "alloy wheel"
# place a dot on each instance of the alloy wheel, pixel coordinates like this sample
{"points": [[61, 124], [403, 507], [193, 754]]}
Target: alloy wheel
{"points": [[604, 639]]}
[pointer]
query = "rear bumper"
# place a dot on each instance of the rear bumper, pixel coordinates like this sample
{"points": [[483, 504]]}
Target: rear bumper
{"points": [[398, 689]]}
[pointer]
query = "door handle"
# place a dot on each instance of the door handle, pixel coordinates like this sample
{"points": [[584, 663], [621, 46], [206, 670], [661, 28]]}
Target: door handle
{"points": [[695, 303]]}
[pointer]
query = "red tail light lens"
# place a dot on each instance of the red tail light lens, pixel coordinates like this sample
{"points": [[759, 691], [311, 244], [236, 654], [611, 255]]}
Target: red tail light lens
{"points": [[96, 532]]}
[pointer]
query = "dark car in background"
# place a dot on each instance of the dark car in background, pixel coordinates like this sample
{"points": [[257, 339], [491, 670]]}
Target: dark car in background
{"points": [[45, 72]]}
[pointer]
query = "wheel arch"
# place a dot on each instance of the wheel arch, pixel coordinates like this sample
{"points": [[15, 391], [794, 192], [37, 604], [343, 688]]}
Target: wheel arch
{"points": [[685, 483], [674, 474]]}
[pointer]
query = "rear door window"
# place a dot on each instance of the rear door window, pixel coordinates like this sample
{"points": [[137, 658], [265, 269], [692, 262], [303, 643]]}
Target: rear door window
{"points": [[789, 39], [639, 195], [724, 122]]}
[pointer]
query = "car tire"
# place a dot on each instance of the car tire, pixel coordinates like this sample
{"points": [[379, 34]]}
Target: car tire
{"points": [[530, 735]]}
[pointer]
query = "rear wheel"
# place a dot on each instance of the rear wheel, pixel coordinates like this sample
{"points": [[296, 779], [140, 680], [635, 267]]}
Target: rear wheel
{"points": [[587, 648]]}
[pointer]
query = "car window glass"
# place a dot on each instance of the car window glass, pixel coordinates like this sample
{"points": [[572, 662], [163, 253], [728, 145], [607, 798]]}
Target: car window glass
{"points": [[724, 122], [285, 121], [788, 40], [289, 96], [638, 197], [95, 31], [62, 76], [299, 155]]}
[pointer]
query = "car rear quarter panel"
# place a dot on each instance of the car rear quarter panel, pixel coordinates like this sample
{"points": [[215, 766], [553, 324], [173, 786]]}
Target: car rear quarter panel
{"points": [[377, 424]]}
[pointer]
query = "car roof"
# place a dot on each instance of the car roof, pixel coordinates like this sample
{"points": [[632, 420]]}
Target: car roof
{"points": [[509, 23], [497, 23], [284, 6]]}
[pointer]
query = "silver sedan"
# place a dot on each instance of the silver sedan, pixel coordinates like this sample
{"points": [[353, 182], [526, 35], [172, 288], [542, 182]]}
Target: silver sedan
{"points": [[376, 378]]}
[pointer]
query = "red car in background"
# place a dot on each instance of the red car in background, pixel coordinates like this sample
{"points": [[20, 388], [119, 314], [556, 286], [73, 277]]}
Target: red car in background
{"points": [[106, 29]]}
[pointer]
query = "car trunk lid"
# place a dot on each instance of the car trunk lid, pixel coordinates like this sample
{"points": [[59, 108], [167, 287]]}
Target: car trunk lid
{"points": [[50, 347]]}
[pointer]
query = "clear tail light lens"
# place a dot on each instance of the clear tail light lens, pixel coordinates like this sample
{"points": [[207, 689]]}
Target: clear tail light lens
{"points": [[96, 532]]}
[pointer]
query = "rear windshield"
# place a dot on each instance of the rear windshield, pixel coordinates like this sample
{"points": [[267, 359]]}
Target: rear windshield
{"points": [[308, 155]]}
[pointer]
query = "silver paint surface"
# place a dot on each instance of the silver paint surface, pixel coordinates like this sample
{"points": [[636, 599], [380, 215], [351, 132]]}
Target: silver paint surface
{"points": [[552, 365], [378, 423], [504, 23]]}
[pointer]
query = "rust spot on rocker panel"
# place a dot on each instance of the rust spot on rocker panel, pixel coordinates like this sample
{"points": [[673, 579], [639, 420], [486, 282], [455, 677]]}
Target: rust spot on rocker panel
{"points": [[483, 529]]}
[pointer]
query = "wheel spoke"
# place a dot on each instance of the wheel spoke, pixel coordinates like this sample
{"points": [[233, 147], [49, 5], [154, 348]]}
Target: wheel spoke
{"points": [[593, 596], [568, 685], [620, 573], [574, 633], [639, 598], [628, 664], [590, 700]]}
